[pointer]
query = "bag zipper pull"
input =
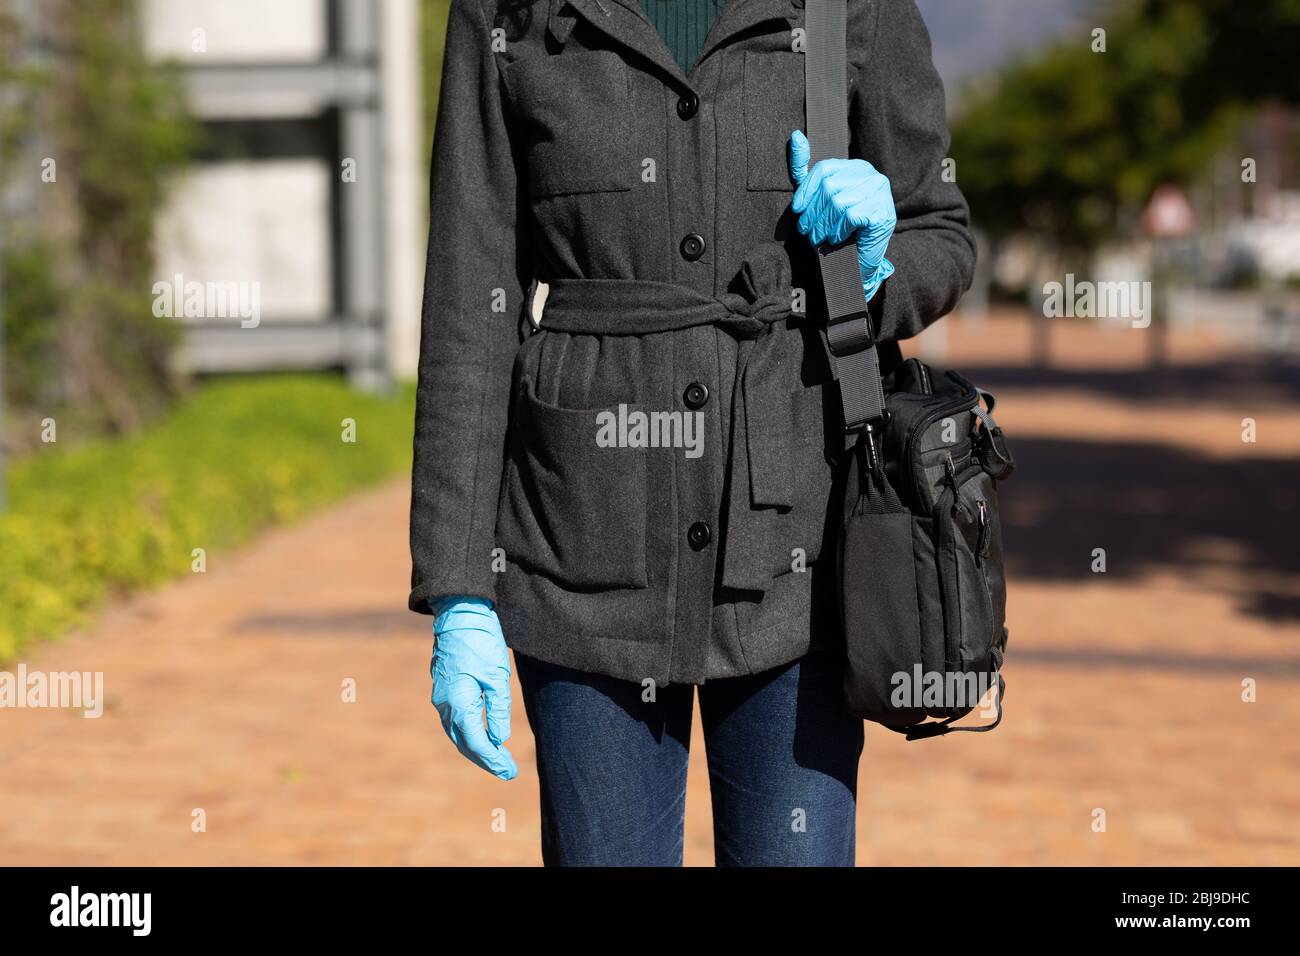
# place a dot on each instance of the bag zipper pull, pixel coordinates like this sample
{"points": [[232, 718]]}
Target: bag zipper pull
{"points": [[950, 472], [981, 546]]}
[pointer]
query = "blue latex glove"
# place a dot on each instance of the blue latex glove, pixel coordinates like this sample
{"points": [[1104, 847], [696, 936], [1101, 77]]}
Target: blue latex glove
{"points": [[841, 196], [470, 662]]}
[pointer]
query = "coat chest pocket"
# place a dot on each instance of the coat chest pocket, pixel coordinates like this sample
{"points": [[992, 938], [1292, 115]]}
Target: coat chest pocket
{"points": [[570, 509], [774, 106], [575, 109]]}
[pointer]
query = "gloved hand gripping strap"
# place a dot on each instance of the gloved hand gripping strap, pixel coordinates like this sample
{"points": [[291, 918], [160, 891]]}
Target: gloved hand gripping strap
{"points": [[848, 329]]}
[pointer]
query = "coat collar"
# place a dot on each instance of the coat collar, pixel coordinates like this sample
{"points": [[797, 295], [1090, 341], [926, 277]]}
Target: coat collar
{"points": [[626, 22]]}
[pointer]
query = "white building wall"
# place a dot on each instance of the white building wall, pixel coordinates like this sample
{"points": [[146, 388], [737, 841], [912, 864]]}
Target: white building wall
{"points": [[269, 220], [406, 181], [236, 30], [266, 222]]}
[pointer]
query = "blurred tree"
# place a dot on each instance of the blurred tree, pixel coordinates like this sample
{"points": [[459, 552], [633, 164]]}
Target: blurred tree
{"points": [[26, 286], [78, 313], [1070, 143], [15, 79], [119, 127]]}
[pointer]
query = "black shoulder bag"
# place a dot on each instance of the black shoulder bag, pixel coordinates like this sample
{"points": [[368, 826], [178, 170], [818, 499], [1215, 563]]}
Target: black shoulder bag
{"points": [[922, 590]]}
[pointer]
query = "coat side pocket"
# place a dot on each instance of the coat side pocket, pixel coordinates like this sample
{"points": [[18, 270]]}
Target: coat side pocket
{"points": [[570, 509]]}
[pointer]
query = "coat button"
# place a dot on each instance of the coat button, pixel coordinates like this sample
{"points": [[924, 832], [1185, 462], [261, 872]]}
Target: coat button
{"points": [[687, 105], [699, 535], [692, 247], [696, 395]]}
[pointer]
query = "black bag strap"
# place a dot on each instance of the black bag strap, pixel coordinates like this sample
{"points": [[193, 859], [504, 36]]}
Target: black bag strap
{"points": [[937, 728], [854, 359]]}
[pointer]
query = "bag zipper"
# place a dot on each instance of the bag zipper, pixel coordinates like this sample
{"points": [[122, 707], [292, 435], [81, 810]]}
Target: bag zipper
{"points": [[982, 544], [950, 590], [918, 473], [981, 507]]}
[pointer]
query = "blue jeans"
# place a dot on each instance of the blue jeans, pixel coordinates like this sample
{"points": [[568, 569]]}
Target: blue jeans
{"points": [[782, 752]]}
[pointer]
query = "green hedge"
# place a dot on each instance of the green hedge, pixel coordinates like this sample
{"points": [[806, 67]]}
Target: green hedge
{"points": [[236, 456]]}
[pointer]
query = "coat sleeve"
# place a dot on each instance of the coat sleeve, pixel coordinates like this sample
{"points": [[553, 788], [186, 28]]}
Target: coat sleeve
{"points": [[473, 293], [898, 122]]}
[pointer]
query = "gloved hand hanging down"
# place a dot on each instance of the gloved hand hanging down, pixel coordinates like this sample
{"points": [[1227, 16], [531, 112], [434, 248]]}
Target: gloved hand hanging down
{"points": [[471, 663], [839, 196]]}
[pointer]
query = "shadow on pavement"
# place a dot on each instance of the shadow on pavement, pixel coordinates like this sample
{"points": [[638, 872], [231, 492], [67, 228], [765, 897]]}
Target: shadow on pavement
{"points": [[1151, 507], [1231, 382]]}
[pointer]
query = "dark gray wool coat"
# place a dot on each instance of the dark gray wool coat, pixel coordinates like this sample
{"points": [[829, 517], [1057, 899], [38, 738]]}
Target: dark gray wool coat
{"points": [[644, 487]]}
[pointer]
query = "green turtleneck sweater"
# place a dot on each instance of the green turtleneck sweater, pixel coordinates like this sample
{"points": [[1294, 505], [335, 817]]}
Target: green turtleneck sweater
{"points": [[683, 24]]}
